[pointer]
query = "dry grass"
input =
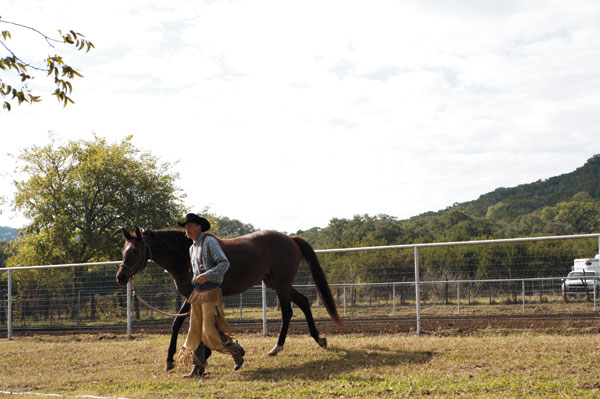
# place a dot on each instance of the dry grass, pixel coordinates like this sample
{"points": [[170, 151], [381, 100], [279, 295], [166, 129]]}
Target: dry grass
{"points": [[552, 306], [354, 366]]}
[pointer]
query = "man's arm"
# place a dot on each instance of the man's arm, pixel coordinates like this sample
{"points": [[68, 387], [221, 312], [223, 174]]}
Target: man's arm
{"points": [[217, 256]]}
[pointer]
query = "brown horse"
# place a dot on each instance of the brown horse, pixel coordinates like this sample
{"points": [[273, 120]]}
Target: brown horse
{"points": [[269, 256]]}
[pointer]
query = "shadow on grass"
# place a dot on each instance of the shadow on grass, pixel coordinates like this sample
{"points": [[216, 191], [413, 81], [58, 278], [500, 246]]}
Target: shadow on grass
{"points": [[343, 362]]}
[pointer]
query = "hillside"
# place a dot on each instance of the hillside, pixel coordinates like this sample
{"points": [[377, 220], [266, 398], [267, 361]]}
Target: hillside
{"points": [[565, 204], [8, 233], [526, 198]]}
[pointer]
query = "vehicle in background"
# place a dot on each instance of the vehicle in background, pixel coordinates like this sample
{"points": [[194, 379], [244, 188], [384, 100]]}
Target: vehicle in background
{"points": [[584, 279]]}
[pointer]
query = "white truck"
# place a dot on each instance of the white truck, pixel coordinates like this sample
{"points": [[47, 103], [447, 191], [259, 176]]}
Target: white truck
{"points": [[584, 278]]}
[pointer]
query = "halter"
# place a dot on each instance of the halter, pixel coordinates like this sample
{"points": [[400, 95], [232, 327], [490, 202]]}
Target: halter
{"points": [[142, 258], [131, 276]]}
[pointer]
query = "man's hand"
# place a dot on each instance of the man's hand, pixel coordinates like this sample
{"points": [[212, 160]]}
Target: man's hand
{"points": [[201, 279]]}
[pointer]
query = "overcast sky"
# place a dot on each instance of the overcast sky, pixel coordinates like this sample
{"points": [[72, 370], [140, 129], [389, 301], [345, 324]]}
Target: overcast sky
{"points": [[308, 110]]}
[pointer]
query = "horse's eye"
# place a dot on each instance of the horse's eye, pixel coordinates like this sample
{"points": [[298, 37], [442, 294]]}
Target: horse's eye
{"points": [[136, 251]]}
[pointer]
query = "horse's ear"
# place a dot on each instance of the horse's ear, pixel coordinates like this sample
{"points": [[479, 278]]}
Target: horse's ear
{"points": [[138, 233], [126, 234]]}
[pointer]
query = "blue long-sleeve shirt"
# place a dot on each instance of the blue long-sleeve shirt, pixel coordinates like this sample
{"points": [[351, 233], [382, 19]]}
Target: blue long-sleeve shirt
{"points": [[214, 260]]}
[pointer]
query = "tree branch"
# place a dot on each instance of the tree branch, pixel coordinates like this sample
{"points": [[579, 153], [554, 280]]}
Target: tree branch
{"points": [[48, 39]]}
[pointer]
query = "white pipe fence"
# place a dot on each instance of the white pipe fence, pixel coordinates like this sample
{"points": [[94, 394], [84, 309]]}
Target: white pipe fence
{"points": [[457, 283], [454, 244], [416, 283]]}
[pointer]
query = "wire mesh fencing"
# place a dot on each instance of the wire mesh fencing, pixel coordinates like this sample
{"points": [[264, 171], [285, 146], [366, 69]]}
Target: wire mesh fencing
{"points": [[491, 280]]}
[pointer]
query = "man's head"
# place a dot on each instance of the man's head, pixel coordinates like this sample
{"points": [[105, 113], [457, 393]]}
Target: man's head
{"points": [[194, 225]]}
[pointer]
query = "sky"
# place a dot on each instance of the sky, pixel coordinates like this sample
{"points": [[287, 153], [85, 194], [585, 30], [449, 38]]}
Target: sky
{"points": [[304, 111]]}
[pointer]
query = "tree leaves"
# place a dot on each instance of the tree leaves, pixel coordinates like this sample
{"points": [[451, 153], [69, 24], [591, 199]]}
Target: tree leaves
{"points": [[77, 39], [80, 194], [56, 68]]}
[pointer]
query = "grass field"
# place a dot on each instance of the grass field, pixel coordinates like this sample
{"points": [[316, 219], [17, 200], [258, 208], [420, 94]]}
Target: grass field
{"points": [[489, 365]]}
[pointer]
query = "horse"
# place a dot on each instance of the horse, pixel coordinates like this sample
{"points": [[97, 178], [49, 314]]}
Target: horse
{"points": [[270, 256]]}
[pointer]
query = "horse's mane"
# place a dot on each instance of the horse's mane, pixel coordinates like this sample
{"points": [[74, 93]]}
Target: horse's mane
{"points": [[173, 238], [170, 238]]}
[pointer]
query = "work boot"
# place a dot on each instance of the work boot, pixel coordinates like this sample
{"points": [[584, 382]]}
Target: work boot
{"points": [[197, 372], [237, 352]]}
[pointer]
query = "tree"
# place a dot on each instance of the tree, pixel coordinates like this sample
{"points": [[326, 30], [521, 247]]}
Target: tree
{"points": [[230, 228], [54, 67], [580, 215], [225, 227], [79, 195], [5, 252]]}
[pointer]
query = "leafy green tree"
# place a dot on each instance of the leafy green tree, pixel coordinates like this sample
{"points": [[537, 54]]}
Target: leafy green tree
{"points": [[5, 252], [78, 195], [579, 215], [229, 228], [54, 67], [223, 226]]}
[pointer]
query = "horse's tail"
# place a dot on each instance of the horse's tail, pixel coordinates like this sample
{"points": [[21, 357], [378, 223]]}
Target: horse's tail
{"points": [[320, 280]]}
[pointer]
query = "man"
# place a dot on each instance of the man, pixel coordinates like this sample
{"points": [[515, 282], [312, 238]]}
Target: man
{"points": [[207, 322]]}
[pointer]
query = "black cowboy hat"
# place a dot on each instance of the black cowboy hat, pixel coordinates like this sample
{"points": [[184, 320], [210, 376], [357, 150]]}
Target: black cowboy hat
{"points": [[193, 218]]}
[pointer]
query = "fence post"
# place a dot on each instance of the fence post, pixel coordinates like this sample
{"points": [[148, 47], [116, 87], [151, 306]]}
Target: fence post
{"points": [[241, 306], [417, 292], [393, 299], [78, 307], [344, 300], [129, 310], [264, 308], [9, 308], [458, 296], [594, 288], [523, 293]]}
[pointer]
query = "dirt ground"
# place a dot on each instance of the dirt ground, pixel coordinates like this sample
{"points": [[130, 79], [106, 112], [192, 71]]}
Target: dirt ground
{"points": [[472, 325], [574, 324]]}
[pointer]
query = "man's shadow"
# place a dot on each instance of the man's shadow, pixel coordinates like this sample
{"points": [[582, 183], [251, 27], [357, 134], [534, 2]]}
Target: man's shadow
{"points": [[345, 362]]}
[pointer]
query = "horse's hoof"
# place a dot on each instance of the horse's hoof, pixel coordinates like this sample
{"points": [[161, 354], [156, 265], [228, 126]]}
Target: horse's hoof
{"points": [[322, 342], [276, 349], [170, 365]]}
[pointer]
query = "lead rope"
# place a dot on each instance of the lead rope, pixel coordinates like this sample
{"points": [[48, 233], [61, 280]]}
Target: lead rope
{"points": [[152, 307]]}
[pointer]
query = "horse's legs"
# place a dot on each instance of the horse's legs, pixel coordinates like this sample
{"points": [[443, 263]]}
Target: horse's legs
{"points": [[174, 332], [302, 302], [286, 316]]}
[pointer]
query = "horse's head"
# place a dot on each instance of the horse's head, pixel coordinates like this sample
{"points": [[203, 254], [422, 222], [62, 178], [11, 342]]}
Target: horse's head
{"points": [[135, 256]]}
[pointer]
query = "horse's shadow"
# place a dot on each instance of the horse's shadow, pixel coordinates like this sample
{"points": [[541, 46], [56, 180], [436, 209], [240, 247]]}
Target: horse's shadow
{"points": [[345, 361]]}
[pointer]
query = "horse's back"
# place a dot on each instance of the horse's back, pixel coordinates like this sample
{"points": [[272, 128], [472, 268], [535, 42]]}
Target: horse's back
{"points": [[258, 255]]}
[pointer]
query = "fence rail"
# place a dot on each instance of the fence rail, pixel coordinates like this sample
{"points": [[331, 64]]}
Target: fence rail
{"points": [[94, 298]]}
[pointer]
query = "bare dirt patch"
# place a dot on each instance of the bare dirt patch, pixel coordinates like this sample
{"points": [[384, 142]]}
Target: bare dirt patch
{"points": [[588, 323]]}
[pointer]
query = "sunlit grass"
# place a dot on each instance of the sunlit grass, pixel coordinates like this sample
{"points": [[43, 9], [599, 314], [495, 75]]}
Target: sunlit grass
{"points": [[354, 366]]}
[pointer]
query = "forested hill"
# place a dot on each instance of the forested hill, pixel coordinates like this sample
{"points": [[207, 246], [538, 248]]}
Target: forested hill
{"points": [[8, 233], [565, 204], [526, 198]]}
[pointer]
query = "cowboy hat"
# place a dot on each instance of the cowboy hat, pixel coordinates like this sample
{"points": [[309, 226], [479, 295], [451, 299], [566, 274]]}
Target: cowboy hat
{"points": [[193, 218]]}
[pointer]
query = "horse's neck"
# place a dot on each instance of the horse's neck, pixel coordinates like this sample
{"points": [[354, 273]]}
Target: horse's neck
{"points": [[172, 261]]}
